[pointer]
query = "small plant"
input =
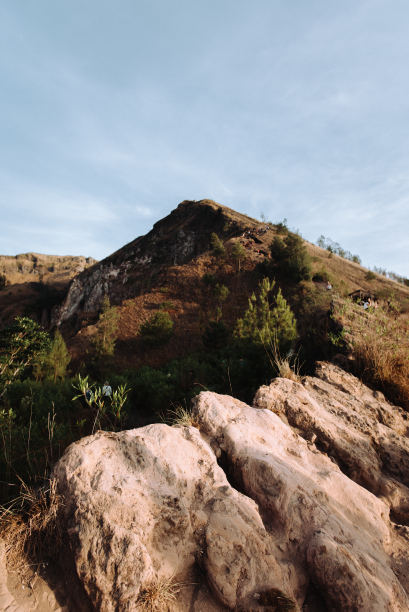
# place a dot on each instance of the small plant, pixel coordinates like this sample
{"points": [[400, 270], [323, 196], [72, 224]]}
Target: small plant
{"points": [[370, 276], [159, 595], [183, 417], [217, 245], [286, 367], [157, 330]]}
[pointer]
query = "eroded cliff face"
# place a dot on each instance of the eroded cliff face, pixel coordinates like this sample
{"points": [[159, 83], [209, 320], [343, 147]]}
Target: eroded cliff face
{"points": [[301, 498], [36, 267]]}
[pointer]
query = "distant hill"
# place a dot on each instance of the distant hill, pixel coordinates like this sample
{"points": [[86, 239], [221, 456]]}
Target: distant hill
{"points": [[32, 283]]}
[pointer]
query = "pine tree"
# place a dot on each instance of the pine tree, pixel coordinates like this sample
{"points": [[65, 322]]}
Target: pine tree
{"points": [[217, 245], [267, 324], [53, 363], [238, 254], [107, 329]]}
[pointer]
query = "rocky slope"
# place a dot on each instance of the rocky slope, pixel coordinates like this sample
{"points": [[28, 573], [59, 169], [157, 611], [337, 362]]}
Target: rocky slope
{"points": [[299, 502], [167, 266], [35, 267], [32, 283]]}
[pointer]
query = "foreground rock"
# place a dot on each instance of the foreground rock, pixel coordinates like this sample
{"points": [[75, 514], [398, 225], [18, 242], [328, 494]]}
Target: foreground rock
{"points": [[244, 511]]}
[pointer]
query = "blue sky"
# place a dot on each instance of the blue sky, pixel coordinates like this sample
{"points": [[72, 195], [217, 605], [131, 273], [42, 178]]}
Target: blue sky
{"points": [[111, 113]]}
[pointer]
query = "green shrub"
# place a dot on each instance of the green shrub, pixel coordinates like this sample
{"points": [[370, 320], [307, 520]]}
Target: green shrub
{"points": [[321, 276], [215, 336], [267, 324], [167, 305], [217, 245], [107, 329], [157, 330], [370, 276], [238, 254], [290, 256]]}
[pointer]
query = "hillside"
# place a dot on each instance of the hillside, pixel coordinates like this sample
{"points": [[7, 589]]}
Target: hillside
{"points": [[31, 283], [165, 270]]}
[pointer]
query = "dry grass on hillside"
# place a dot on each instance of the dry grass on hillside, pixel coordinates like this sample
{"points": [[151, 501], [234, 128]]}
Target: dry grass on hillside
{"points": [[379, 342], [31, 528]]}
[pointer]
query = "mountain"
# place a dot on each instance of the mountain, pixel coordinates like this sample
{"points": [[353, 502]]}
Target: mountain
{"points": [[167, 268]]}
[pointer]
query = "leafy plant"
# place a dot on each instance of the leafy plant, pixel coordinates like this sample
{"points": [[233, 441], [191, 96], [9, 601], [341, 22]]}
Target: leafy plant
{"points": [[20, 344]]}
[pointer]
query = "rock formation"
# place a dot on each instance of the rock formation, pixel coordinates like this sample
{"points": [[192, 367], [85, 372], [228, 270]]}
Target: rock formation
{"points": [[252, 509]]}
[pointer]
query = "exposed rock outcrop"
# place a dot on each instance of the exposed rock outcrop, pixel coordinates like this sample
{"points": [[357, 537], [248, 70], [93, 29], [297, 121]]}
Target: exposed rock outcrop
{"points": [[246, 506], [174, 240]]}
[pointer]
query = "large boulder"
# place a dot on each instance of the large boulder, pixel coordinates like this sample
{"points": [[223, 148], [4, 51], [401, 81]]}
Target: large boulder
{"points": [[247, 511], [152, 503]]}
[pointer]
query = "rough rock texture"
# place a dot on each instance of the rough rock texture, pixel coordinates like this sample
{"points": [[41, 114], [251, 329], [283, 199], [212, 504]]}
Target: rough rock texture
{"points": [[174, 240], [357, 427], [245, 505], [151, 503], [37, 267]]}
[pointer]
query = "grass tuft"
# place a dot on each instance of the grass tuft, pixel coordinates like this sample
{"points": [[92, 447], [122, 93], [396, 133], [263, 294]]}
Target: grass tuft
{"points": [[159, 595], [31, 527], [182, 417]]}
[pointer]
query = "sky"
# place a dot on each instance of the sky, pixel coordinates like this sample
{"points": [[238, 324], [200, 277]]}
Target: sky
{"points": [[111, 113]]}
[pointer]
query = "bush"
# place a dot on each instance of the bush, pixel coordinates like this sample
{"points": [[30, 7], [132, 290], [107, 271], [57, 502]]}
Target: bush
{"points": [[157, 330], [370, 276], [321, 276], [215, 336], [217, 245], [291, 258], [107, 329]]}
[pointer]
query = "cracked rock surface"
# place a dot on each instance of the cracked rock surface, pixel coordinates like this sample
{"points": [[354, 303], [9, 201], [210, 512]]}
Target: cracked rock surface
{"points": [[248, 506]]}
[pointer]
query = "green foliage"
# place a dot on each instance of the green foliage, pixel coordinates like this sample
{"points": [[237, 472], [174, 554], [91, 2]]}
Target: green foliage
{"points": [[53, 363], [267, 324], [370, 276], [321, 276], [218, 249], [290, 256], [282, 227], [220, 293], [109, 409], [209, 280], [216, 335], [238, 254], [107, 329], [20, 344], [157, 330], [167, 305]]}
